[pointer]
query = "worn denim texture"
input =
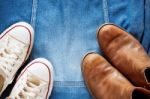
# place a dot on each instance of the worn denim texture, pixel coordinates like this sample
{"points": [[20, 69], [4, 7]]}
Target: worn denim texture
{"points": [[66, 29]]}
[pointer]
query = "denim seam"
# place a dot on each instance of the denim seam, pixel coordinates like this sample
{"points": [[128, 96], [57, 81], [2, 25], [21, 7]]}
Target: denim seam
{"points": [[142, 36], [69, 84], [33, 15], [105, 9]]}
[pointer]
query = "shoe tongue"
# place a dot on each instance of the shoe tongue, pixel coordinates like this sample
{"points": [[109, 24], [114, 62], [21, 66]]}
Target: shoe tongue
{"points": [[35, 81]]}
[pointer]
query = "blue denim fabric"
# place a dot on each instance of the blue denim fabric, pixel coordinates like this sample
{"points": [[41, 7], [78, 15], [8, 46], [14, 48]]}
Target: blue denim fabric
{"points": [[146, 34], [66, 29]]}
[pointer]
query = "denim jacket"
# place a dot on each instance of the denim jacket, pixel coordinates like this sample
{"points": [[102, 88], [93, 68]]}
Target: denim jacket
{"points": [[65, 30]]}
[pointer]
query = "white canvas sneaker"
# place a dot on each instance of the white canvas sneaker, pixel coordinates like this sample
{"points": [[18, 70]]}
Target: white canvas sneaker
{"points": [[15, 46], [35, 81]]}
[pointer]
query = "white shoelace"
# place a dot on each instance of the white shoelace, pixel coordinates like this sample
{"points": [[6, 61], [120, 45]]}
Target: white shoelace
{"points": [[29, 87], [11, 52]]}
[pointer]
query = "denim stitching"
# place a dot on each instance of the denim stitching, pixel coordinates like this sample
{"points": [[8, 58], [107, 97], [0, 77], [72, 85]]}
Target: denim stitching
{"points": [[143, 31], [105, 9], [69, 84], [33, 16]]}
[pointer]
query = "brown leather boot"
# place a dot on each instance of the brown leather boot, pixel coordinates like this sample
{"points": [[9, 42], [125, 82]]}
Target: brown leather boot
{"points": [[126, 54], [105, 82]]}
